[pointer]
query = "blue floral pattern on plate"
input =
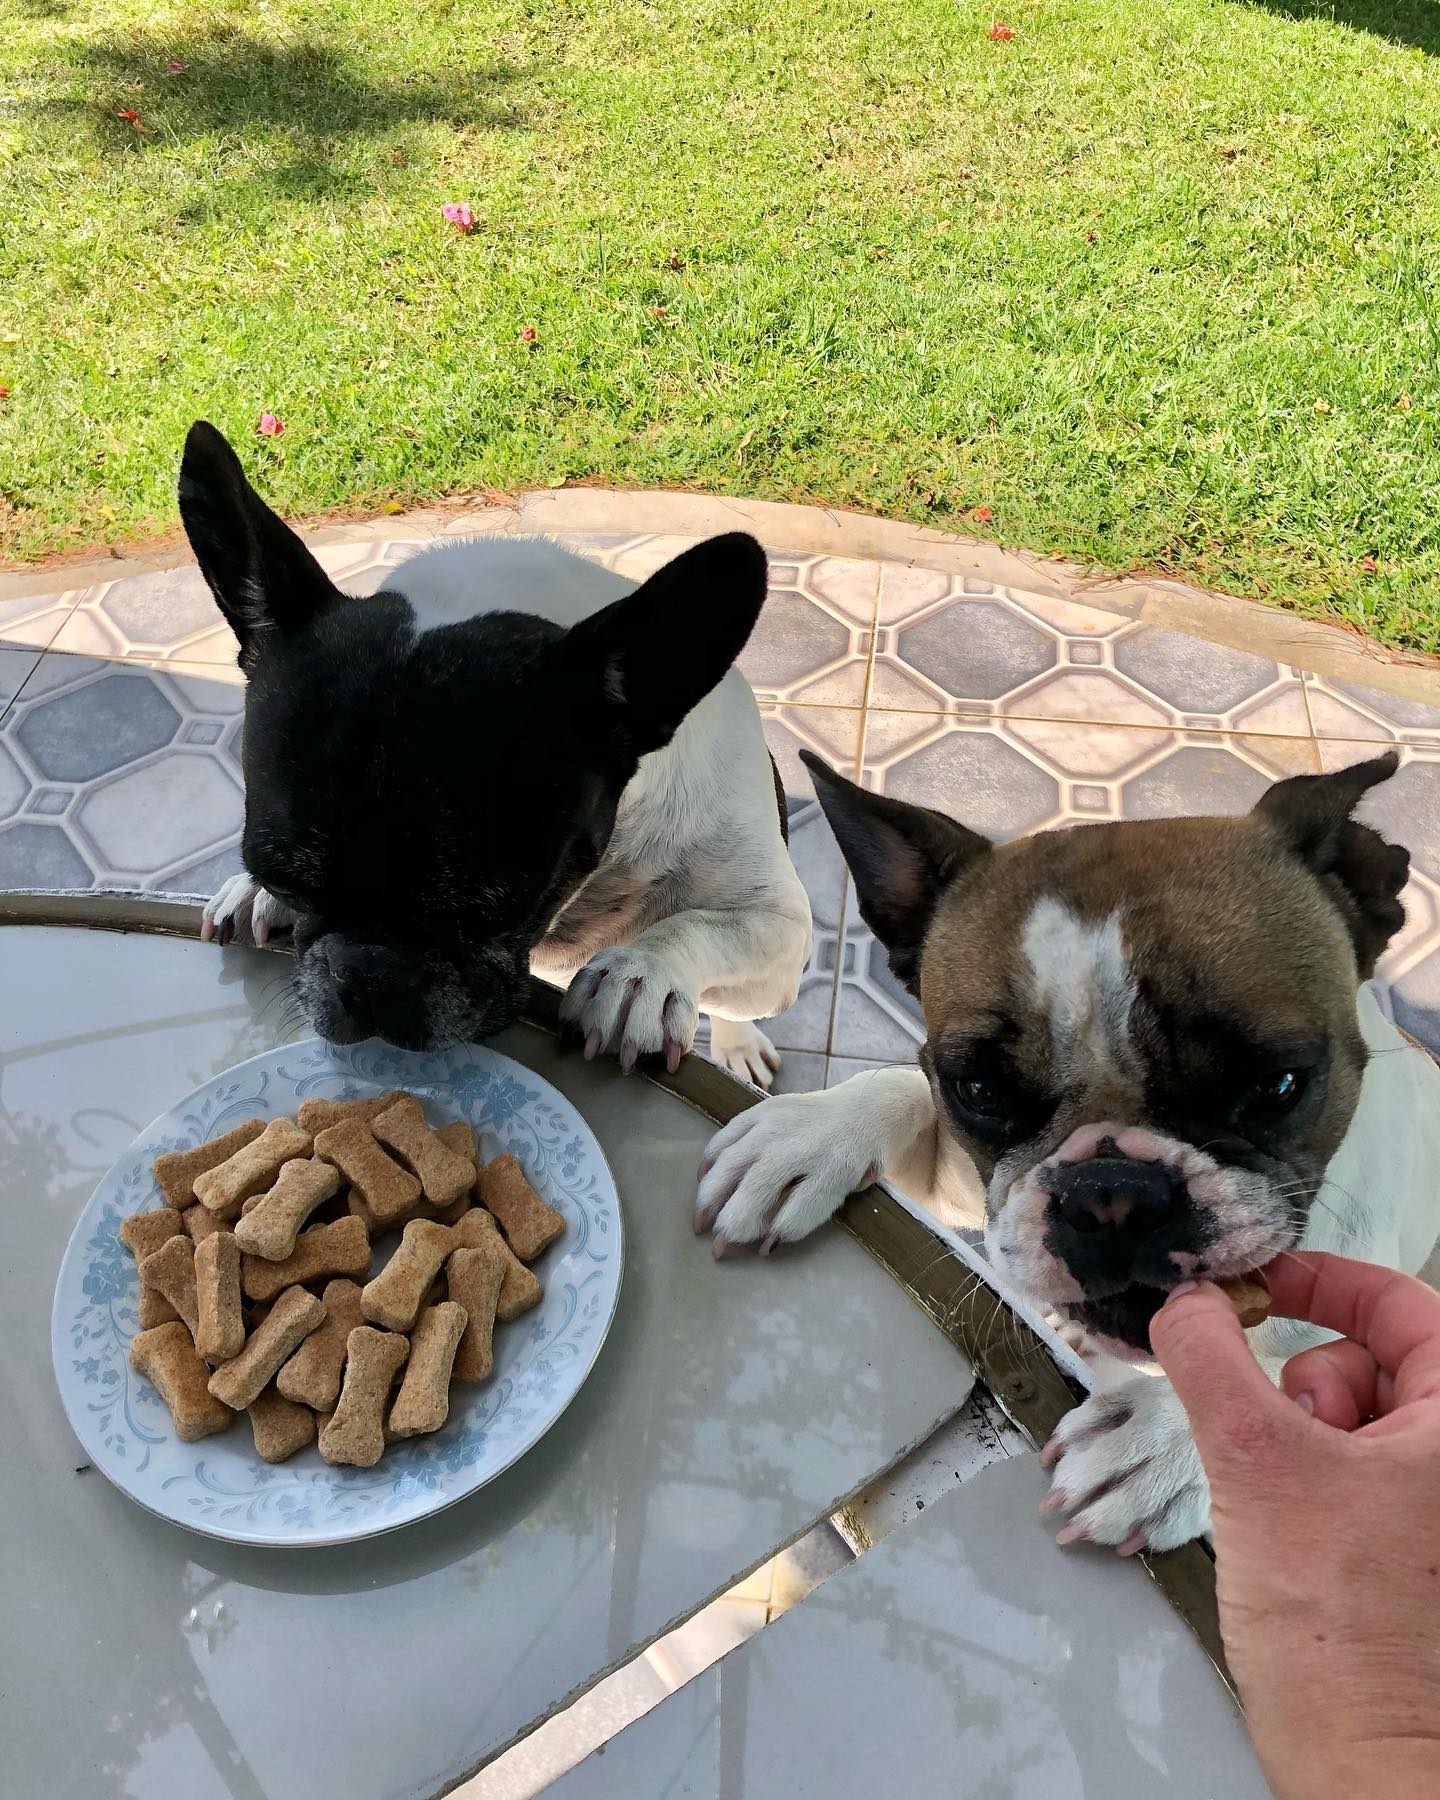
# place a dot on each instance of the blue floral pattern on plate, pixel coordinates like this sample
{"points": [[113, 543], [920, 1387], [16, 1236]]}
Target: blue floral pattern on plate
{"points": [[219, 1486]]}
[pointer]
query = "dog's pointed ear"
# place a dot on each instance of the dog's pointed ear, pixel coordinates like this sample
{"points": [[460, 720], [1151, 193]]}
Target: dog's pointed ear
{"points": [[263, 578], [901, 858], [1360, 871], [659, 651]]}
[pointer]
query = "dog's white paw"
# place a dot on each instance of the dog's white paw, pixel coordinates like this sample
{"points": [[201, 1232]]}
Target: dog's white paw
{"points": [[782, 1168], [629, 1002], [741, 1047], [1127, 1471], [243, 905]]}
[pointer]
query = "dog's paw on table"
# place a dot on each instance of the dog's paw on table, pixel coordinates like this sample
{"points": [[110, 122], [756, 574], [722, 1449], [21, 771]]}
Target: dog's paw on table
{"points": [[241, 906], [780, 1170], [629, 1003], [1126, 1470], [742, 1048]]}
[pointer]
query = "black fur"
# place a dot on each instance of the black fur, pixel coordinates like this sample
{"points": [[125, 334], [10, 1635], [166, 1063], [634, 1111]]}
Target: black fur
{"points": [[427, 802]]}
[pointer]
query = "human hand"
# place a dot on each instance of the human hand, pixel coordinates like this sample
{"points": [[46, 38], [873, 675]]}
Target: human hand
{"points": [[1325, 1499]]}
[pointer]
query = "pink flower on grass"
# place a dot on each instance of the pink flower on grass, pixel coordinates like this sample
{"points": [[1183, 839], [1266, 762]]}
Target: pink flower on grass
{"points": [[175, 66], [527, 334], [458, 214], [270, 426]]}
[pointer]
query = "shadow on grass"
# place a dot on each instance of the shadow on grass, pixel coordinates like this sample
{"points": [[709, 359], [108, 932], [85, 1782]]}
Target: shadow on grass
{"points": [[1413, 22], [300, 99]]}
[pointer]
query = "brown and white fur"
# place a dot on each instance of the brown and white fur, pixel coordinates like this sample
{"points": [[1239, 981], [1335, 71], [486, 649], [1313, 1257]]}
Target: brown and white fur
{"points": [[1149, 1056]]}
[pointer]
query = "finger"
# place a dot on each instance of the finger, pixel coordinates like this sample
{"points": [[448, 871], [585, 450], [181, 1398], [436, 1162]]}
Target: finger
{"points": [[1340, 1379], [1200, 1345], [1396, 1317]]}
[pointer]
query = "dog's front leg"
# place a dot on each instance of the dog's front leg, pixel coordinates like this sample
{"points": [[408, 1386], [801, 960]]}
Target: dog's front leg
{"points": [[782, 1168], [1127, 1472], [644, 998]]}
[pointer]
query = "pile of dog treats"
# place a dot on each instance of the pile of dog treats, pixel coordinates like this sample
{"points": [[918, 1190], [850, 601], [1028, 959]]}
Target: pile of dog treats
{"points": [[255, 1222]]}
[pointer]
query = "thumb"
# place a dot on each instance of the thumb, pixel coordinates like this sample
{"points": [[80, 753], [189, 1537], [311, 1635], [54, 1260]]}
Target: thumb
{"points": [[1233, 1407]]}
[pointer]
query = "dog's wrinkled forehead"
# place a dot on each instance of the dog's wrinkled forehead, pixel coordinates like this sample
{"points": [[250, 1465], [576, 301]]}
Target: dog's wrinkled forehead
{"points": [[1076, 936]]}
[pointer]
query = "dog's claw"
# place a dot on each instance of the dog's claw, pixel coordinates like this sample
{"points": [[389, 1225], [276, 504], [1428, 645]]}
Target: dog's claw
{"points": [[719, 1244], [207, 928], [1136, 1544], [1051, 1453], [1073, 1534], [1052, 1502], [628, 1056], [673, 1054], [769, 1243], [592, 1046], [262, 932]]}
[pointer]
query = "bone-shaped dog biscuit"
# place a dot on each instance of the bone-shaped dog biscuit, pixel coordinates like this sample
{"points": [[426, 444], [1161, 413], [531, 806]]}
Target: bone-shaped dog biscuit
{"points": [[397, 1293], [280, 1427], [521, 1289], [528, 1223], [1249, 1297], [170, 1271], [340, 1248], [418, 1209], [142, 1234], [200, 1222], [387, 1189], [292, 1318], [177, 1169], [355, 1433], [220, 1333], [473, 1278], [312, 1374], [458, 1136], [318, 1115], [251, 1169], [423, 1403], [445, 1176], [167, 1358], [270, 1226]]}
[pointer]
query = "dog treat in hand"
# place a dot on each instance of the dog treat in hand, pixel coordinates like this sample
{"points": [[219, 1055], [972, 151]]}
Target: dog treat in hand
{"points": [[528, 1223], [423, 1403], [397, 1293], [269, 1225], [520, 1289], [355, 1434], [177, 1169], [342, 1248], [280, 1427], [317, 1115], [170, 1271], [312, 1374], [292, 1318], [473, 1278], [251, 1169], [220, 1333], [168, 1360], [1249, 1297], [444, 1175], [387, 1189]]}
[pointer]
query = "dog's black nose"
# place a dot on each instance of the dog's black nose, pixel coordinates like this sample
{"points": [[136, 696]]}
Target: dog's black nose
{"points": [[1116, 1193]]}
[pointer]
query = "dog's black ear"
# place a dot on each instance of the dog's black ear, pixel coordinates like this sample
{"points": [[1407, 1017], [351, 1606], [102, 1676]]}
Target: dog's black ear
{"points": [[1361, 872], [263, 578], [901, 857], [659, 652]]}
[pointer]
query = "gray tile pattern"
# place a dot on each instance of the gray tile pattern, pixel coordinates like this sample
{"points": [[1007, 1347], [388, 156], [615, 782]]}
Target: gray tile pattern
{"points": [[1014, 710]]}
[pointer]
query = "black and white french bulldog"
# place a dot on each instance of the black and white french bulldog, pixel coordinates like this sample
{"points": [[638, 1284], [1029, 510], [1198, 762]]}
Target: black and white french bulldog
{"points": [[1149, 1056], [507, 759]]}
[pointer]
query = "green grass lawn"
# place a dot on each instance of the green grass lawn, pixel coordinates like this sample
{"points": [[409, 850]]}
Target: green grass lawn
{"points": [[1155, 284]]}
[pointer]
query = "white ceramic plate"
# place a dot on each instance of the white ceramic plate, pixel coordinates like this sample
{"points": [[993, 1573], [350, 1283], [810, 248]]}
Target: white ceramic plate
{"points": [[219, 1486]]}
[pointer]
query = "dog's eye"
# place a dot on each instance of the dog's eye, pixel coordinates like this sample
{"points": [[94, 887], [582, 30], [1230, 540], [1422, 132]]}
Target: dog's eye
{"points": [[1277, 1092], [982, 1100]]}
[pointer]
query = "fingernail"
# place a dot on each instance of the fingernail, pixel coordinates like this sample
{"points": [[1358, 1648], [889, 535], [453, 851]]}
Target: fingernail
{"points": [[1185, 1287], [1305, 1401]]}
